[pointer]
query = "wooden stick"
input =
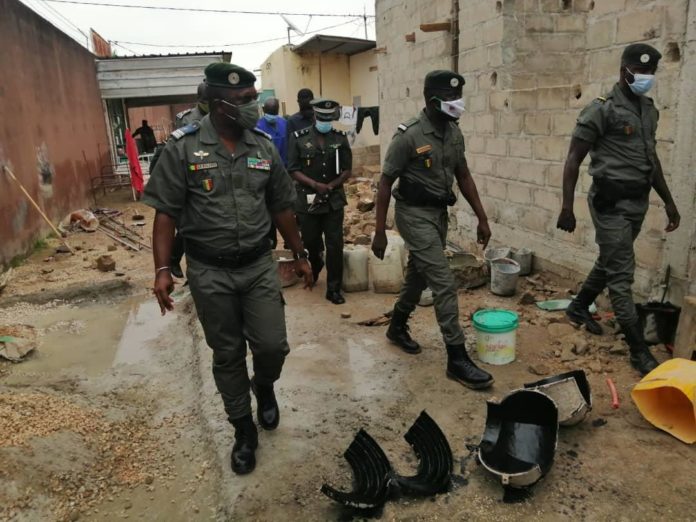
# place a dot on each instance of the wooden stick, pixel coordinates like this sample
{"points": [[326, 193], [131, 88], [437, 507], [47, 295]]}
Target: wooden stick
{"points": [[436, 26], [36, 205], [129, 244]]}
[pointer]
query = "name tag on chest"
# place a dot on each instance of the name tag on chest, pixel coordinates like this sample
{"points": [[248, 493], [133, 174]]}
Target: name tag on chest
{"points": [[259, 164], [195, 167]]}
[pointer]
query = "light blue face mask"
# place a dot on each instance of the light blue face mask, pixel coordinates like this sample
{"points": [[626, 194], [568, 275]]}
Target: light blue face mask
{"points": [[270, 118], [324, 126], [642, 83]]}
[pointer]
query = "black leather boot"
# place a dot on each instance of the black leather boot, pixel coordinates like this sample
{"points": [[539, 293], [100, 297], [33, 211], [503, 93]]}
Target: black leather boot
{"points": [[267, 412], [246, 440], [579, 311], [463, 370], [640, 356], [398, 333]]}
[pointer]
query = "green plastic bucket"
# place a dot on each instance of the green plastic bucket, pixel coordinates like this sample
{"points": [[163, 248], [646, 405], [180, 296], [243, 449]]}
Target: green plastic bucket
{"points": [[496, 335]]}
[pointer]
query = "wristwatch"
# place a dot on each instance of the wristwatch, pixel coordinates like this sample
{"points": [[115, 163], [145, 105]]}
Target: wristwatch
{"points": [[300, 255]]}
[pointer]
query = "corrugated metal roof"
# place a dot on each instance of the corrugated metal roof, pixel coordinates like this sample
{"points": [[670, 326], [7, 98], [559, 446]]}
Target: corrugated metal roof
{"points": [[335, 45], [145, 76]]}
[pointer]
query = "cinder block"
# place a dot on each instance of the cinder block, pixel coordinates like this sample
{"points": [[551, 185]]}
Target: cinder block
{"points": [[485, 123], [509, 123], [474, 60], [666, 127], [553, 98], [550, 148], [548, 199], [538, 23], [605, 64], [496, 146], [506, 168], [519, 194], [538, 221], [482, 164], [520, 147], [531, 172], [564, 122], [522, 100], [495, 55], [573, 23], [498, 101], [477, 103], [537, 123], [550, 6], [608, 6], [639, 25], [648, 251], [492, 31], [601, 33], [554, 175], [469, 38], [475, 144], [496, 188]]}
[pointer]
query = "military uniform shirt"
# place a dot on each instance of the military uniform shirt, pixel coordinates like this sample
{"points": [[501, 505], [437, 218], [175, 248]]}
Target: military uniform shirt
{"points": [[419, 153], [319, 164], [188, 116], [622, 137], [220, 200]]}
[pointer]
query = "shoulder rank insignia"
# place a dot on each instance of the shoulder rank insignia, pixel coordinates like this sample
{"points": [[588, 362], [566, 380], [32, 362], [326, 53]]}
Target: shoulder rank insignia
{"points": [[183, 113], [341, 132], [601, 98], [186, 129], [403, 127], [262, 133], [301, 132]]}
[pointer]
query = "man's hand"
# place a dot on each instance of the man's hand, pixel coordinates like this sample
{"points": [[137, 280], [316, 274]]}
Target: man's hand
{"points": [[566, 220], [673, 217], [379, 244], [304, 270], [483, 233], [321, 188], [164, 285]]}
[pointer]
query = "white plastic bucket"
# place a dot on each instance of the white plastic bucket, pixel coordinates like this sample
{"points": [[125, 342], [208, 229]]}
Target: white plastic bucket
{"points": [[524, 257], [387, 275], [355, 272], [504, 275], [426, 298], [496, 335], [492, 254]]}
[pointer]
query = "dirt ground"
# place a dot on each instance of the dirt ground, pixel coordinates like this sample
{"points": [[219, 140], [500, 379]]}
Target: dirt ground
{"points": [[115, 414]]}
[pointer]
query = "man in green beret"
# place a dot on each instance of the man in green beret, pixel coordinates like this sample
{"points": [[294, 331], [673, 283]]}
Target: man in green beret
{"points": [[618, 131], [320, 161], [223, 182], [426, 155]]}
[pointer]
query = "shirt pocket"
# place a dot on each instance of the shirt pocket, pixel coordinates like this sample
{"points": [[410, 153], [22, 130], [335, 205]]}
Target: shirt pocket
{"points": [[308, 158], [210, 183]]}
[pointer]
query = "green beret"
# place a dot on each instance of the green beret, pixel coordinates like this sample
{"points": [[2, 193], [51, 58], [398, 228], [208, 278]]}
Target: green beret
{"points": [[221, 74], [640, 54], [325, 110], [443, 80]]}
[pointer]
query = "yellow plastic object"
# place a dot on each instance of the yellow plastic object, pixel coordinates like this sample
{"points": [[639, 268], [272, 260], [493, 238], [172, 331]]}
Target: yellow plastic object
{"points": [[666, 397]]}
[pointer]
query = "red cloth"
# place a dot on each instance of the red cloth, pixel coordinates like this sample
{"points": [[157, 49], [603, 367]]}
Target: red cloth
{"points": [[136, 173]]}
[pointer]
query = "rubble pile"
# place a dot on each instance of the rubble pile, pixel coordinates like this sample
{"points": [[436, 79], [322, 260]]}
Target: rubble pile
{"points": [[359, 221]]}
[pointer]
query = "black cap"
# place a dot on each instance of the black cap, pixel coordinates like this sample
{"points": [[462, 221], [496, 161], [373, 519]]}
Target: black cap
{"points": [[221, 74], [325, 110], [443, 80], [640, 54]]}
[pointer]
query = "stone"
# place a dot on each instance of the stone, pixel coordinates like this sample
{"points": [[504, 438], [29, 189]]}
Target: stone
{"points": [[469, 271], [560, 330], [365, 204], [527, 299], [362, 240], [345, 315], [580, 346], [618, 348], [106, 263], [539, 369], [595, 367], [368, 228], [63, 249], [567, 354], [111, 248]]}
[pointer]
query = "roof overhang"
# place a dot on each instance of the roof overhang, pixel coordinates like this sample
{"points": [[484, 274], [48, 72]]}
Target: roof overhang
{"points": [[153, 76], [325, 44]]}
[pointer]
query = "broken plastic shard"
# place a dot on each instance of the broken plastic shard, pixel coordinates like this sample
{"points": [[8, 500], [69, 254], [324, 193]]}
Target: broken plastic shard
{"points": [[435, 460], [571, 393]]}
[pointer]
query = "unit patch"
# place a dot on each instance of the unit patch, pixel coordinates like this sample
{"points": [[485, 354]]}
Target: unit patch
{"points": [[207, 184]]}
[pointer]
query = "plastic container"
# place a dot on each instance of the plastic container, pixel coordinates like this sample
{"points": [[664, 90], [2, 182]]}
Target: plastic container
{"points": [[524, 257], [496, 335], [426, 298], [355, 272], [286, 267], [504, 275], [387, 275], [571, 393], [492, 254]]}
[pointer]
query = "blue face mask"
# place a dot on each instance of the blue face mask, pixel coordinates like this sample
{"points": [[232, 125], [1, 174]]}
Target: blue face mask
{"points": [[642, 83], [324, 126], [270, 118]]}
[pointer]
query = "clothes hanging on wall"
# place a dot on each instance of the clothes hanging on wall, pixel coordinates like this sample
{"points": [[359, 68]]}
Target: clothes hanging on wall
{"points": [[373, 113]]}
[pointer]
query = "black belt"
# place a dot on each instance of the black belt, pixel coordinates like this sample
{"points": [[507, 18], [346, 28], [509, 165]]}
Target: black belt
{"points": [[225, 261]]}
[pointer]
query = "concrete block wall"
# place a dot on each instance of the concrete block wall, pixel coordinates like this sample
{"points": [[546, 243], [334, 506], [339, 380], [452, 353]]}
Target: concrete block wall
{"points": [[530, 67]]}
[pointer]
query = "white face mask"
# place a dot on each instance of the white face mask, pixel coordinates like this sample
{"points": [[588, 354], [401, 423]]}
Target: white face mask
{"points": [[453, 108]]}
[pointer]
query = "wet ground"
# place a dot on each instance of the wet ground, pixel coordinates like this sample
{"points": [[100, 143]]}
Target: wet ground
{"points": [[116, 416]]}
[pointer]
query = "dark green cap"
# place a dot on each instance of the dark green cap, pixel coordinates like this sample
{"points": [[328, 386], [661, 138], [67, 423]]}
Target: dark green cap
{"points": [[325, 110], [640, 54], [221, 74], [443, 80]]}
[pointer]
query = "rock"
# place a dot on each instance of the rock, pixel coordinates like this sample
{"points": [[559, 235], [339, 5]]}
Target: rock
{"points": [[557, 353], [74, 515], [595, 366], [539, 369], [106, 263], [62, 249], [567, 354], [618, 348], [368, 228], [469, 271], [580, 346], [366, 204], [111, 248], [527, 299], [46, 270], [346, 230], [560, 330], [362, 240], [345, 315]]}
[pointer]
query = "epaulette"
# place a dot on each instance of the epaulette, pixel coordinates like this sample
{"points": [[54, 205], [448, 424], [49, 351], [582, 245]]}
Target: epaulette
{"points": [[341, 132], [186, 129], [181, 115], [262, 133], [302, 132], [601, 99], [403, 127]]}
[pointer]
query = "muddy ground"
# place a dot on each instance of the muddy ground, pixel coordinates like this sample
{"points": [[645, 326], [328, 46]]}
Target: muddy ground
{"points": [[115, 414]]}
